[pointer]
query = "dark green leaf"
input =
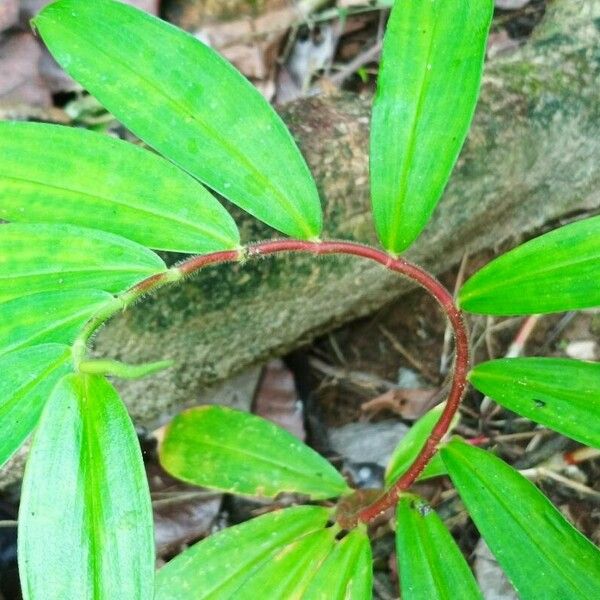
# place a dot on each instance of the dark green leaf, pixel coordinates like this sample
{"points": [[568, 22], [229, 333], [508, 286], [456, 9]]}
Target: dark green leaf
{"points": [[237, 452], [219, 565], [188, 103], [59, 174], [347, 573], [28, 376], [541, 552], [44, 258], [85, 521], [561, 394], [48, 317], [555, 272], [426, 94], [410, 446], [430, 564]]}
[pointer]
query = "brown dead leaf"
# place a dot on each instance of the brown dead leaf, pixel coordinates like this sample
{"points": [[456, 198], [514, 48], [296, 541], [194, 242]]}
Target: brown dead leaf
{"points": [[409, 404]]}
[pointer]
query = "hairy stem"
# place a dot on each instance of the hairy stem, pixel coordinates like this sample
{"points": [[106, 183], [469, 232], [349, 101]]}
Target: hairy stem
{"points": [[444, 298]]}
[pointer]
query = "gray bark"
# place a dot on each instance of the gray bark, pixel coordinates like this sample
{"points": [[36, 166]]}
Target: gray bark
{"points": [[531, 159]]}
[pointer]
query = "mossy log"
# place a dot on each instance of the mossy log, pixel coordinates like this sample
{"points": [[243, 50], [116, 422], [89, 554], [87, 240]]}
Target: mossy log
{"points": [[531, 159]]}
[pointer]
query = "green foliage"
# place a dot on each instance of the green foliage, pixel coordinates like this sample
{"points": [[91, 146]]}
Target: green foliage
{"points": [[85, 521], [430, 564], [540, 551], [426, 94], [28, 376], [187, 102], [410, 446], [555, 272], [561, 394], [50, 258], [49, 317], [59, 174], [85, 212], [237, 452]]}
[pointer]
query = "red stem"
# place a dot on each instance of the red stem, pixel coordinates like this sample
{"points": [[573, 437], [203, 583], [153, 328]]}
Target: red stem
{"points": [[444, 298]]}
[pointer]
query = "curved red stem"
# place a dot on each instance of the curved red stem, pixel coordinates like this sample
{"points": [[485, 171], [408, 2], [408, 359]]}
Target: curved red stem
{"points": [[444, 298]]}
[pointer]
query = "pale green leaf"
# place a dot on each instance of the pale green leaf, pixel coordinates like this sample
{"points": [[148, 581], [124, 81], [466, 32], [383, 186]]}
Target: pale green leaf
{"points": [[541, 552], [44, 258], [559, 393], [218, 566], [347, 573], [187, 102], [412, 443], [55, 174], [428, 86], [555, 272], [85, 521], [291, 569], [233, 451], [48, 317], [430, 564], [28, 376]]}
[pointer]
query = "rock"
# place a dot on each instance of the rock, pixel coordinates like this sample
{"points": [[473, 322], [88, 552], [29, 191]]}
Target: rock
{"points": [[9, 13], [511, 4], [491, 578]]}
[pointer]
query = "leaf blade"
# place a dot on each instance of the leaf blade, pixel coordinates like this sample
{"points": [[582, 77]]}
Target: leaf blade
{"points": [[430, 564], [54, 317], [213, 123], [559, 393], [57, 174], [431, 67], [347, 573], [221, 448], [28, 377], [45, 258], [555, 272], [76, 494], [522, 528], [246, 546]]}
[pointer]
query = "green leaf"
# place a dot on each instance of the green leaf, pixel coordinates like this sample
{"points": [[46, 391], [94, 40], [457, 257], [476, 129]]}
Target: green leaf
{"points": [[85, 521], [430, 564], [28, 377], [291, 569], [55, 174], [412, 443], [187, 102], [541, 552], [44, 258], [219, 565], [48, 317], [347, 573], [558, 393], [233, 451], [555, 272], [427, 90]]}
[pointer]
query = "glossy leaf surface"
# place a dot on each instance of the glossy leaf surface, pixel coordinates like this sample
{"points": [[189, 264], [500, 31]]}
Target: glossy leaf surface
{"points": [[55, 174], [44, 258], [48, 317], [428, 86], [347, 573], [233, 451], [430, 564], [211, 121], [541, 552], [555, 272], [85, 521], [28, 377], [559, 393], [199, 573], [410, 446]]}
